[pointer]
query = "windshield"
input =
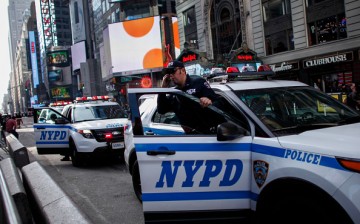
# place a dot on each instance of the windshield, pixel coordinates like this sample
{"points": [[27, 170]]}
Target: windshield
{"points": [[90, 113], [291, 110]]}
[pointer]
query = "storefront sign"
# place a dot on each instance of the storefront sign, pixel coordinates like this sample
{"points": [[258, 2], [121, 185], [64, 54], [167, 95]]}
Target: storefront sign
{"points": [[245, 57], [348, 56], [188, 57], [285, 66]]}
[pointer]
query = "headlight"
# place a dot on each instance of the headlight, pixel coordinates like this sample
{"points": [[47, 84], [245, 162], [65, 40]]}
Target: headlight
{"points": [[86, 133]]}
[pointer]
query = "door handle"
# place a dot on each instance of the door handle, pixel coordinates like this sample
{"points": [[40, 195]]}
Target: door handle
{"points": [[149, 133], [160, 152], [40, 128]]}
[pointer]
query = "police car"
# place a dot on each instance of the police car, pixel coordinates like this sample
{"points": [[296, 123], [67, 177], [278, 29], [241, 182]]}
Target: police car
{"points": [[280, 151], [91, 125]]}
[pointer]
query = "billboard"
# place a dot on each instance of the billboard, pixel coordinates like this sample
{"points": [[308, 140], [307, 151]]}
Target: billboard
{"points": [[175, 28], [55, 75], [136, 45], [33, 58], [77, 20], [78, 53], [58, 58], [60, 92]]}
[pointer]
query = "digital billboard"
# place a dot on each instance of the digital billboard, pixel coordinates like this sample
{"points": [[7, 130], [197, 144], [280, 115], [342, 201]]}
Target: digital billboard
{"points": [[55, 75], [136, 44], [60, 92], [58, 58], [33, 58]]}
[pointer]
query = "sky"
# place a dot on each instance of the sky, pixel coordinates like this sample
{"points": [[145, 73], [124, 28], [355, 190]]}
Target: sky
{"points": [[4, 52]]}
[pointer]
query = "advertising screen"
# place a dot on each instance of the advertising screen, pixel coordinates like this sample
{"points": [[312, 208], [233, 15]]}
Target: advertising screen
{"points": [[55, 75], [58, 58], [60, 92], [34, 65], [136, 44]]}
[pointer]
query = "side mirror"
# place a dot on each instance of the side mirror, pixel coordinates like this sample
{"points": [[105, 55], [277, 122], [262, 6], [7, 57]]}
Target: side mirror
{"points": [[229, 131], [61, 121]]}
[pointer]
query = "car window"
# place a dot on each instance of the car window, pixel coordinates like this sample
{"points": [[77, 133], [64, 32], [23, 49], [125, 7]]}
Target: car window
{"points": [[88, 113], [167, 118], [290, 110], [193, 118]]}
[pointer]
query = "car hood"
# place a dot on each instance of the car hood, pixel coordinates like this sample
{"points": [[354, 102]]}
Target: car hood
{"points": [[102, 124], [343, 141]]}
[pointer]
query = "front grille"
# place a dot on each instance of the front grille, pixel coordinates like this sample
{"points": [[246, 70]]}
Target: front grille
{"points": [[117, 133]]}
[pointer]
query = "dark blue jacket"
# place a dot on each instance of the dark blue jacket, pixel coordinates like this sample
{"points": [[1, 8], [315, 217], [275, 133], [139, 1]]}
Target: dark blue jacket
{"points": [[187, 112]]}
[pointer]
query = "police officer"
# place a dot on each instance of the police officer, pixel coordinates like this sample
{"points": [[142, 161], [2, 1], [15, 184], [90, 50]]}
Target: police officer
{"points": [[193, 85]]}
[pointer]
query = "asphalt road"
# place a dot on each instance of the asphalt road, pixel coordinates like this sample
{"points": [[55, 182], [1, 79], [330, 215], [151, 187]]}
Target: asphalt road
{"points": [[102, 190]]}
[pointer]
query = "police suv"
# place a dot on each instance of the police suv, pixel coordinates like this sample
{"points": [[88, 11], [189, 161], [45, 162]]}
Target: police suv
{"points": [[90, 125], [270, 151]]}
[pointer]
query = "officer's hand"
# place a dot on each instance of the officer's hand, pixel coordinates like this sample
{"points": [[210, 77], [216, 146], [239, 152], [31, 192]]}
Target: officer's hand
{"points": [[204, 101], [166, 81]]}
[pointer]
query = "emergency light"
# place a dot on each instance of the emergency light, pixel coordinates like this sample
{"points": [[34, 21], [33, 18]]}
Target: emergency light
{"points": [[92, 98]]}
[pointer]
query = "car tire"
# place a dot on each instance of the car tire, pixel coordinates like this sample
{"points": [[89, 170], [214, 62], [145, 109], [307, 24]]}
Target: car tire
{"points": [[136, 180], [76, 159]]}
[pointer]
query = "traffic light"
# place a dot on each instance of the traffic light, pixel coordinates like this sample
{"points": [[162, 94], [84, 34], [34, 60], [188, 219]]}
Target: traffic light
{"points": [[82, 85]]}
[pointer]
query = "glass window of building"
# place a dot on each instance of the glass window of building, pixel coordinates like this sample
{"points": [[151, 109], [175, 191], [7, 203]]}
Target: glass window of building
{"points": [[190, 28], [326, 20], [277, 26], [136, 9], [225, 27]]}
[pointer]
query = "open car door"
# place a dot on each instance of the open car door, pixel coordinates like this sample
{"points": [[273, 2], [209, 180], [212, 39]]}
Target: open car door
{"points": [[194, 174], [51, 131]]}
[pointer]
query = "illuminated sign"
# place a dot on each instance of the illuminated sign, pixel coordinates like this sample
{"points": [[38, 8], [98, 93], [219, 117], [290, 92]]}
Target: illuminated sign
{"points": [[47, 11], [60, 92], [146, 82], [34, 65], [188, 56], [245, 57], [55, 75], [58, 58]]}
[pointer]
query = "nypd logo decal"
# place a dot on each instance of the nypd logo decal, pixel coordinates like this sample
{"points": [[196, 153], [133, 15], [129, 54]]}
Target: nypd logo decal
{"points": [[261, 169]]}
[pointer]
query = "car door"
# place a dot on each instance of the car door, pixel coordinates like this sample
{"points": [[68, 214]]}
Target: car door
{"points": [[51, 134], [193, 173]]}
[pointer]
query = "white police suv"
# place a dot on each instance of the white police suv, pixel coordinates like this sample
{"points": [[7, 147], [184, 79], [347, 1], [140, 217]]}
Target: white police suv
{"points": [[267, 151], [91, 125]]}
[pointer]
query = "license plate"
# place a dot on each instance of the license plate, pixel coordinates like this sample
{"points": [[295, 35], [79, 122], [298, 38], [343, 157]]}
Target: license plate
{"points": [[117, 145]]}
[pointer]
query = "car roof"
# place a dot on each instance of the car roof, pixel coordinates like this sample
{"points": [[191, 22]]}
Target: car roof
{"points": [[257, 84], [94, 103]]}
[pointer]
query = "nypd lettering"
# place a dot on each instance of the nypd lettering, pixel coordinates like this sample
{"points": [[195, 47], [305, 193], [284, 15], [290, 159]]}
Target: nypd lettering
{"points": [[302, 156], [53, 135], [232, 170]]}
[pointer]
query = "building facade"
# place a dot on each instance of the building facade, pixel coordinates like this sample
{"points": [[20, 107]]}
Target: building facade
{"points": [[314, 41]]}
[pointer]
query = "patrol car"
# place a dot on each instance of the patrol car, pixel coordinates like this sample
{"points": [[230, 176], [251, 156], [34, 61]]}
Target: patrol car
{"points": [[90, 125], [273, 151]]}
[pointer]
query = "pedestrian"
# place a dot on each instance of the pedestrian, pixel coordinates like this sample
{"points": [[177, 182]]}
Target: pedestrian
{"points": [[11, 126], [353, 98], [193, 85]]}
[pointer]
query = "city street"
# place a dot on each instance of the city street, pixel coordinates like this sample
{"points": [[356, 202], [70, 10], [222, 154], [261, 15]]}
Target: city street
{"points": [[102, 190]]}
